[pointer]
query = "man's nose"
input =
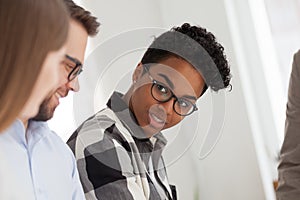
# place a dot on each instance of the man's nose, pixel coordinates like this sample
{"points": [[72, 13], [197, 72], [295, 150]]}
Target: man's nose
{"points": [[74, 85]]}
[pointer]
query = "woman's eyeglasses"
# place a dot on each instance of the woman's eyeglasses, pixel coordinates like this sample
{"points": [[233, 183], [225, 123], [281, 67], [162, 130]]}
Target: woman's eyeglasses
{"points": [[162, 94]]}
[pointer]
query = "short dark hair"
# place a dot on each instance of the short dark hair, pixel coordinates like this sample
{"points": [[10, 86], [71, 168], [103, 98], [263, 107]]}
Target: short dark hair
{"points": [[83, 16], [198, 47]]}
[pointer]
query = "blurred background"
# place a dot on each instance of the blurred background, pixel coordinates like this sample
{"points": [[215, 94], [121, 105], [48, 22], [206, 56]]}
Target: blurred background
{"points": [[259, 36]]}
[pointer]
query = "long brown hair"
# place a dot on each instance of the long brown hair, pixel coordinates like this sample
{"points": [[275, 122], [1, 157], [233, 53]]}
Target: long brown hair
{"points": [[30, 29]]}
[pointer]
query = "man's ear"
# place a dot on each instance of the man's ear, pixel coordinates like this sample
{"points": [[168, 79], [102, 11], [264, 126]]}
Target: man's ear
{"points": [[138, 72]]}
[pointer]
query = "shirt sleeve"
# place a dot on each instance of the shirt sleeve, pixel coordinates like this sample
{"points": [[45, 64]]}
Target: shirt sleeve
{"points": [[76, 190], [289, 165], [78, 193], [105, 166]]}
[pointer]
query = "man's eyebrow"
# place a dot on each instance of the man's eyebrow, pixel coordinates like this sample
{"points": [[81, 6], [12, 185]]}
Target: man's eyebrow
{"points": [[168, 80], [190, 97]]}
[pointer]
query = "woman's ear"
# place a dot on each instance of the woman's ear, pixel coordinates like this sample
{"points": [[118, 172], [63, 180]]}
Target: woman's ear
{"points": [[138, 72]]}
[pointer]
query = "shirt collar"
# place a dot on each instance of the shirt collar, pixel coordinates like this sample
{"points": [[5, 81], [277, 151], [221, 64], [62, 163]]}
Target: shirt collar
{"points": [[35, 131], [17, 131]]}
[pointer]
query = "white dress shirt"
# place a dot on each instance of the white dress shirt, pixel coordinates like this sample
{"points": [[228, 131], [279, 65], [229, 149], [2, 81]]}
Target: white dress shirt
{"points": [[43, 164]]}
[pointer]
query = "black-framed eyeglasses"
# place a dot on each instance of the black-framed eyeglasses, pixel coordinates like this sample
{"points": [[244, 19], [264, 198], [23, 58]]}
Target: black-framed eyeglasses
{"points": [[162, 94], [75, 66]]}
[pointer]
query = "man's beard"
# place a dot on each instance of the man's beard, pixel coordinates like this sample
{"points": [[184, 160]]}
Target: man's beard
{"points": [[45, 111]]}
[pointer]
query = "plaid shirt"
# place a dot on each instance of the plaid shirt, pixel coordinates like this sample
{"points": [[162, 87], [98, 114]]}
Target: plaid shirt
{"points": [[115, 161]]}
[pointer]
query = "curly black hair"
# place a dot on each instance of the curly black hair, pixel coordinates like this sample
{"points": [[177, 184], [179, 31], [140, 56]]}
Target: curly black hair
{"points": [[198, 47]]}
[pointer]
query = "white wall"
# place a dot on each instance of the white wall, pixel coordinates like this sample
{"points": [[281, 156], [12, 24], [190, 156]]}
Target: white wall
{"points": [[233, 171]]}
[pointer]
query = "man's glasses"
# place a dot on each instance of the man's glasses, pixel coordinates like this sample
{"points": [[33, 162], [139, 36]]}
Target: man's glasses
{"points": [[74, 65], [162, 94]]}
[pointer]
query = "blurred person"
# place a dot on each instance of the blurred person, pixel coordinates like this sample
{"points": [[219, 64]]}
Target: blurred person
{"points": [[118, 150], [22, 56], [289, 163], [31, 56], [51, 172]]}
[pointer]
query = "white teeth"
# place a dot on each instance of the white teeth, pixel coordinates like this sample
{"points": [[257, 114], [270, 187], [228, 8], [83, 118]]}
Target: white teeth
{"points": [[157, 119]]}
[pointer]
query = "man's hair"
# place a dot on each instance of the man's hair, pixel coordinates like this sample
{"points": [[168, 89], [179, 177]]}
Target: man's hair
{"points": [[83, 16], [198, 47]]}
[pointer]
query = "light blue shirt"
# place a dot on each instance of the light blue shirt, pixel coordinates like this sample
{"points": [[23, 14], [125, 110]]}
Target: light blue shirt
{"points": [[44, 165]]}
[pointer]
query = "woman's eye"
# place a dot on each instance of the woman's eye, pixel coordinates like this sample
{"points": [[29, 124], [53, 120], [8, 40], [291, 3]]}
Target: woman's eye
{"points": [[162, 89], [183, 103]]}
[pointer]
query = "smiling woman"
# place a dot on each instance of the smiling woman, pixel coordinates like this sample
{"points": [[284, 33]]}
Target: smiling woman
{"points": [[176, 85], [119, 149]]}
